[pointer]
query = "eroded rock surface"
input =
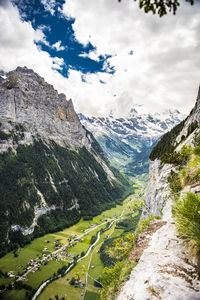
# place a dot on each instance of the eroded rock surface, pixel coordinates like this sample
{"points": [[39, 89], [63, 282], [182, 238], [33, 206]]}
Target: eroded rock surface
{"points": [[163, 271], [27, 99]]}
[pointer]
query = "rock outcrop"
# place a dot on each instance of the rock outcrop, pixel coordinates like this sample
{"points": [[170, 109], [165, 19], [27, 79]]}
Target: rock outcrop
{"points": [[28, 100], [163, 271]]}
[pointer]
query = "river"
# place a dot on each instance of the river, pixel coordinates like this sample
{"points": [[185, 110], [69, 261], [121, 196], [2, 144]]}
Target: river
{"points": [[44, 284]]}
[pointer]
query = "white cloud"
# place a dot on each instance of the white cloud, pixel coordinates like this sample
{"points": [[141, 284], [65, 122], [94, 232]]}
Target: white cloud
{"points": [[39, 36], [58, 63], [49, 5], [58, 46], [164, 70], [92, 55], [17, 48]]}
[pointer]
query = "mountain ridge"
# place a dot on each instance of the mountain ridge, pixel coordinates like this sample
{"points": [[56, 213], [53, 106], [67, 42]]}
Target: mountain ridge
{"points": [[129, 141], [51, 168]]}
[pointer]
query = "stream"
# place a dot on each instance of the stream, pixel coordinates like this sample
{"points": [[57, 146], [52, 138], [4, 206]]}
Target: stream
{"points": [[44, 284]]}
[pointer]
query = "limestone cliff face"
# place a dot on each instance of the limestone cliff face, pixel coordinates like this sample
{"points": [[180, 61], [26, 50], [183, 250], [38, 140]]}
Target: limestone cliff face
{"points": [[193, 117], [157, 188], [28, 100], [165, 270]]}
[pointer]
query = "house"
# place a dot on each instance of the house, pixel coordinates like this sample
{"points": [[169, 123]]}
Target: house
{"points": [[11, 274]]}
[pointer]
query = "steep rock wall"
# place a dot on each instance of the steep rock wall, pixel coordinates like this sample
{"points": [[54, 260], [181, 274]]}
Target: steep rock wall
{"points": [[36, 105], [157, 188], [165, 270]]}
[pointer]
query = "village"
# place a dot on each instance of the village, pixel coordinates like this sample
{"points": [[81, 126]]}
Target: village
{"points": [[60, 254]]}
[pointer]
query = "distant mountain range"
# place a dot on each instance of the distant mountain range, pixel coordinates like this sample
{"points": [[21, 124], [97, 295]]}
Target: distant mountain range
{"points": [[128, 141]]}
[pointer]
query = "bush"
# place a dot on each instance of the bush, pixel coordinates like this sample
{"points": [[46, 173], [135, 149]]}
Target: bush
{"points": [[97, 283], [167, 144], [196, 150], [93, 239], [174, 182], [4, 136], [82, 253], [10, 83], [62, 270], [177, 158], [187, 215], [72, 281]]}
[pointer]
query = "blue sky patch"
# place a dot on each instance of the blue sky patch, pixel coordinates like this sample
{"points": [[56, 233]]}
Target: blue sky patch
{"points": [[60, 38]]}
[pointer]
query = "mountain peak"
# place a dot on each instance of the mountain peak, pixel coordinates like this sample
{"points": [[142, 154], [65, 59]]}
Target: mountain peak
{"points": [[198, 95], [26, 98]]}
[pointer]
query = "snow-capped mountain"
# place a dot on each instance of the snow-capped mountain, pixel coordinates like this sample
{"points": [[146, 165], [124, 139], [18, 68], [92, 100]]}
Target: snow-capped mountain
{"points": [[128, 141]]}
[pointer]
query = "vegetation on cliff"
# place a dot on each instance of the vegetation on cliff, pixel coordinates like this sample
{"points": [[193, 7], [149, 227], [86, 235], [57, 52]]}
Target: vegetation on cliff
{"points": [[114, 276], [164, 149], [63, 178], [186, 207]]}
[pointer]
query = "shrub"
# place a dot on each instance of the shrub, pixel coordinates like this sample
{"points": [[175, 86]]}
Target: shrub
{"points": [[196, 150], [177, 158], [93, 239], [10, 83], [82, 253], [4, 136], [97, 283], [167, 142], [72, 281], [174, 182], [187, 215]]}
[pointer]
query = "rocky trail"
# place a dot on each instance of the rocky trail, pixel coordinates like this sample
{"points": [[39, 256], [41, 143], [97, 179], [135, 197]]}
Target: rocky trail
{"points": [[164, 270]]}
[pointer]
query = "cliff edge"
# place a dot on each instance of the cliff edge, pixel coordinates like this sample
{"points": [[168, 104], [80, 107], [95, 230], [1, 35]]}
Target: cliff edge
{"points": [[166, 269]]}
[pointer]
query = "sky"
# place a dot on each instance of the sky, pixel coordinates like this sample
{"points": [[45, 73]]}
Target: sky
{"points": [[106, 55]]}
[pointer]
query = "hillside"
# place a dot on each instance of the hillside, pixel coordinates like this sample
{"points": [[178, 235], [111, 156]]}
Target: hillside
{"points": [[51, 168], [168, 265], [128, 141]]}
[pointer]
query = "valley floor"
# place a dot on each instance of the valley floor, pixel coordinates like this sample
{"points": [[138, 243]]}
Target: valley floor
{"points": [[43, 258]]}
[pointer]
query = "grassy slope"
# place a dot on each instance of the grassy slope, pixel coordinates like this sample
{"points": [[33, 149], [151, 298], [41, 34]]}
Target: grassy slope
{"points": [[31, 251], [61, 286]]}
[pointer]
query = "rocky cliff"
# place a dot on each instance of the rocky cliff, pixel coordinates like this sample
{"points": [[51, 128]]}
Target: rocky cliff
{"points": [[51, 168], [168, 269], [28, 100]]}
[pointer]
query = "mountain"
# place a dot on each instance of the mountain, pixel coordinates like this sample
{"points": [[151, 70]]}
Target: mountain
{"points": [[128, 141], [169, 265], [51, 168]]}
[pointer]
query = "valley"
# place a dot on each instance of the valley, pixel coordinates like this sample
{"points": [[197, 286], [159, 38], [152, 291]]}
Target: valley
{"points": [[128, 140], [51, 255], [72, 227]]}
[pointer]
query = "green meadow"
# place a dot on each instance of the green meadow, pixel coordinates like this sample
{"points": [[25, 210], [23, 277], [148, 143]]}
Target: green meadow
{"points": [[61, 286]]}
